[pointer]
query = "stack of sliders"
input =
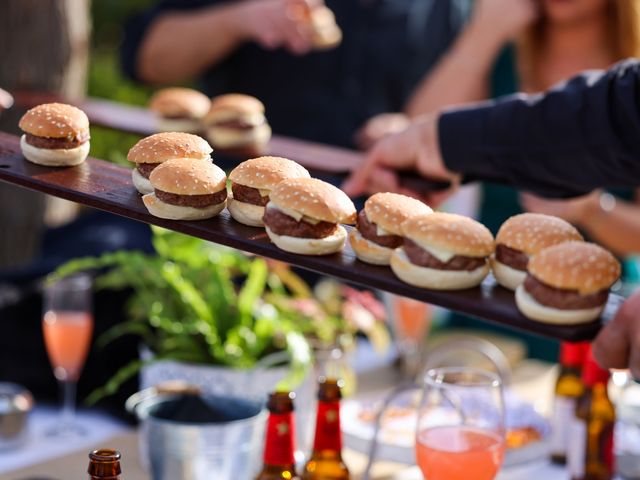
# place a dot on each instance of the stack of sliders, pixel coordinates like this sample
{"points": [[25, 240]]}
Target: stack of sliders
{"points": [[55, 135], [179, 109], [523, 236], [252, 182], [236, 123], [325, 33], [304, 216], [379, 230], [152, 151], [443, 251], [568, 284]]}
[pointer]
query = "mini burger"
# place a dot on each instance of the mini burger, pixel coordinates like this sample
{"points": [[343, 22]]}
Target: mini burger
{"points": [[325, 33], [237, 122], [55, 135], [304, 216], [179, 109], [151, 151], [443, 251], [186, 189], [521, 237], [252, 182], [568, 284], [378, 232]]}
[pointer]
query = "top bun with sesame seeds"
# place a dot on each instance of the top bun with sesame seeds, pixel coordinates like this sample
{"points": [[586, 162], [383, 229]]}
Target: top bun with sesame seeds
{"points": [[521, 237], [165, 146], [55, 135], [568, 283]]}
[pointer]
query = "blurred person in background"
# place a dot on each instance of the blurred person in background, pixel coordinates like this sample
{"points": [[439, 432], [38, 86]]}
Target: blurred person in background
{"points": [[258, 47]]}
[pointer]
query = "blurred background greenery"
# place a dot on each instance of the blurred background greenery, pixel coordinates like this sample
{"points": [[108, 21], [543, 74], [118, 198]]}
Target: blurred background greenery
{"points": [[106, 79]]}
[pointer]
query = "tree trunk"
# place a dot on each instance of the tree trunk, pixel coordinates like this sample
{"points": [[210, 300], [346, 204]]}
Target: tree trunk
{"points": [[45, 48]]}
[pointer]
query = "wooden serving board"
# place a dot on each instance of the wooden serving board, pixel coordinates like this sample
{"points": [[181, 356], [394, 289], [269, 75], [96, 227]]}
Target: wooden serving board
{"points": [[108, 187]]}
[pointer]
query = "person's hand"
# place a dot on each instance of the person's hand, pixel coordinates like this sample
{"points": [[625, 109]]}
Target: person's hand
{"points": [[618, 344], [575, 210], [504, 19], [379, 127], [274, 24]]}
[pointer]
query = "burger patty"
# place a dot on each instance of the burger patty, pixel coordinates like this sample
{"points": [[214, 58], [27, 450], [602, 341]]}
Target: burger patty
{"points": [[419, 256], [56, 143], [512, 257], [235, 124], [251, 195], [195, 201], [282, 224], [369, 231], [563, 299], [145, 169]]}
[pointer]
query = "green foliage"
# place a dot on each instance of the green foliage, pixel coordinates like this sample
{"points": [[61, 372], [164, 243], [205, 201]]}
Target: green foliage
{"points": [[196, 302]]}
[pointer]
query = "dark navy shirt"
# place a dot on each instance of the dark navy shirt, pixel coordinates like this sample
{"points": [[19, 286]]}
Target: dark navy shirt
{"points": [[388, 46]]}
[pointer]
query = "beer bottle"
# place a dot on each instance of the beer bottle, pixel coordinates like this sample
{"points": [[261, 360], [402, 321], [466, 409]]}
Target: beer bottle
{"points": [[105, 464], [569, 389], [590, 450], [326, 460], [279, 462]]}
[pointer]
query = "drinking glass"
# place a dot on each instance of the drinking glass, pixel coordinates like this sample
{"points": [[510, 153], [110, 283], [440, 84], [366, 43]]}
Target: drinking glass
{"points": [[67, 325], [460, 432]]}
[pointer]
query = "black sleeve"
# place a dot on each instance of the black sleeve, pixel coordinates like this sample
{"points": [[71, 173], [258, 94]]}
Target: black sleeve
{"points": [[136, 29], [583, 134]]}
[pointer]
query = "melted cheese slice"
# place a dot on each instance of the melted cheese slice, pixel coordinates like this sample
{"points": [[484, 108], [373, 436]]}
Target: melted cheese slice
{"points": [[264, 192], [294, 214], [379, 230], [443, 255]]}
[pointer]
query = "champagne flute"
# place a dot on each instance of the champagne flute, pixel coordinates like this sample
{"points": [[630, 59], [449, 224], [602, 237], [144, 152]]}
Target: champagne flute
{"points": [[460, 430], [67, 325]]}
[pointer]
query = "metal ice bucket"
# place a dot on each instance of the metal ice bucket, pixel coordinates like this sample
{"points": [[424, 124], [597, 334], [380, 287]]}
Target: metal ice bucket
{"points": [[189, 449]]}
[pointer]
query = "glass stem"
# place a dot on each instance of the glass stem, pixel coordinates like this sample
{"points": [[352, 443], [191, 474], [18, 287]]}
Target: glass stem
{"points": [[68, 392]]}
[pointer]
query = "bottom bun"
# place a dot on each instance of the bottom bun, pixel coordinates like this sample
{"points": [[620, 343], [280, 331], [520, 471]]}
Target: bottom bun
{"points": [[225, 137], [51, 157], [368, 251], [433, 278], [245, 213], [507, 276], [188, 125], [534, 310], [142, 184], [310, 246], [160, 209]]}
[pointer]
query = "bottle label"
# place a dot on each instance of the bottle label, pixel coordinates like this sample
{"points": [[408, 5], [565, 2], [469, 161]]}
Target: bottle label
{"points": [[280, 446], [328, 433], [577, 448], [563, 414]]}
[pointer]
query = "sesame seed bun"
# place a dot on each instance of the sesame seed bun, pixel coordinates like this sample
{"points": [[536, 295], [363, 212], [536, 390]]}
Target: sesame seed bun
{"points": [[169, 145], [187, 176], [235, 106], [507, 276], [55, 120], [325, 32], [63, 157], [532, 232], [315, 199], [534, 310], [161, 209], [390, 210], [368, 251], [245, 213], [143, 185], [265, 173], [581, 266], [449, 232], [226, 138], [310, 246], [433, 278], [182, 103]]}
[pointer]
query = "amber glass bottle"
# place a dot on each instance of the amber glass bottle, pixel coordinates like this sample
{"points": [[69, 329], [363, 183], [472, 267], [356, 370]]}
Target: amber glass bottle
{"points": [[326, 459], [279, 462], [569, 389], [590, 454], [104, 464]]}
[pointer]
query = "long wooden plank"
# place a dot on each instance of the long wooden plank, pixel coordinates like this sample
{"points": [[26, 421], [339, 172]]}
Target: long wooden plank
{"points": [[108, 187]]}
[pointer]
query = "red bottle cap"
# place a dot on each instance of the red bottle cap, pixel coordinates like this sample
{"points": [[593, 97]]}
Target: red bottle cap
{"points": [[573, 354], [592, 373]]}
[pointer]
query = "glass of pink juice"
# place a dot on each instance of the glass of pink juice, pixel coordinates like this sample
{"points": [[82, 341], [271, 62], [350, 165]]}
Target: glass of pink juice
{"points": [[67, 326], [460, 425]]}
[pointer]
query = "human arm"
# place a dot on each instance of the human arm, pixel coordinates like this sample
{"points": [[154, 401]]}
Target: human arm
{"points": [[463, 73]]}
